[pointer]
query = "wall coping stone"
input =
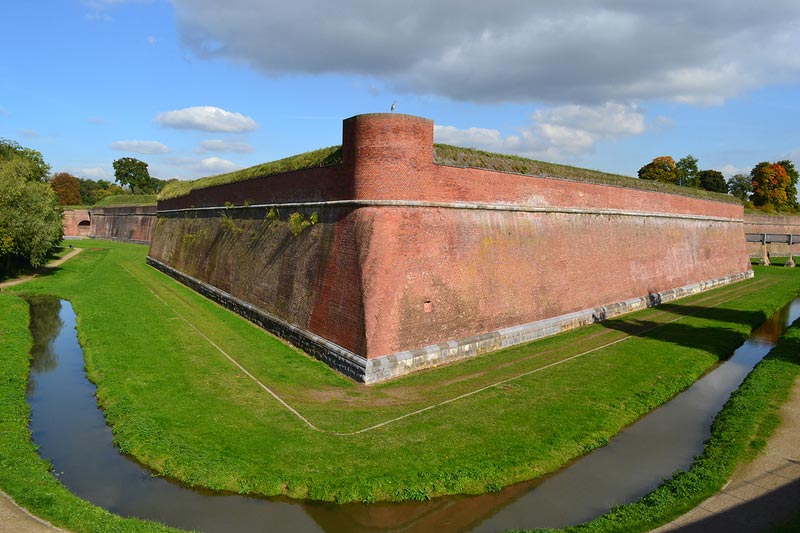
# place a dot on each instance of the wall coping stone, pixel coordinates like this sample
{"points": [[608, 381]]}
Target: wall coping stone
{"points": [[480, 206]]}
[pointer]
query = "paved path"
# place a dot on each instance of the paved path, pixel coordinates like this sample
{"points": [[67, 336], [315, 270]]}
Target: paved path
{"points": [[52, 264], [762, 494], [14, 518]]}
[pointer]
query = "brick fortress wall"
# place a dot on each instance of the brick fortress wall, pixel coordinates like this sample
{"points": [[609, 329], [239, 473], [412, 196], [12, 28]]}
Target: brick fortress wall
{"points": [[76, 223], [414, 264], [121, 223], [776, 224]]}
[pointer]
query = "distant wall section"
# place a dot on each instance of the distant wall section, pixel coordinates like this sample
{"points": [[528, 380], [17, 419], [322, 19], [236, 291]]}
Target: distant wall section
{"points": [[123, 223], [776, 224], [77, 223]]}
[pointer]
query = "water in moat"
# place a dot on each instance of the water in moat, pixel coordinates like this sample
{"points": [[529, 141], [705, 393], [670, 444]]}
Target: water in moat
{"points": [[72, 434]]}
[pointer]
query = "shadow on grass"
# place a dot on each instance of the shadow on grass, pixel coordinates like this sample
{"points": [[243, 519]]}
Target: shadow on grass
{"points": [[719, 341]]}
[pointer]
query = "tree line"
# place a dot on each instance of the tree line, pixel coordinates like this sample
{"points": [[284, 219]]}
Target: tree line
{"points": [[131, 175], [31, 200], [770, 187]]}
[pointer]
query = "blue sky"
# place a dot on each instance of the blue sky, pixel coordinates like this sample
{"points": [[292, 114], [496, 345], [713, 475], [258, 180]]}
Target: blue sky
{"points": [[199, 87]]}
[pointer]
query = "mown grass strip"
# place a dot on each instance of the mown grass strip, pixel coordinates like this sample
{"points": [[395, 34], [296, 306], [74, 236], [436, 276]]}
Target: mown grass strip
{"points": [[739, 432]]}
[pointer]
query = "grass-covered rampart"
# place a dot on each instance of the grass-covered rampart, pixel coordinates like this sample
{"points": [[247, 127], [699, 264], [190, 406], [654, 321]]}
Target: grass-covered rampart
{"points": [[316, 158], [176, 403], [451, 156], [126, 200]]}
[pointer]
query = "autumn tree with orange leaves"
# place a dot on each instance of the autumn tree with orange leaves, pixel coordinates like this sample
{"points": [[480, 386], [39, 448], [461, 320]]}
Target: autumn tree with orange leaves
{"points": [[770, 186], [67, 188]]}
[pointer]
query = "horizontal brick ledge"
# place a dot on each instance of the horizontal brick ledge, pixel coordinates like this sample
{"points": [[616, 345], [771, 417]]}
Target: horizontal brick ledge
{"points": [[461, 205]]}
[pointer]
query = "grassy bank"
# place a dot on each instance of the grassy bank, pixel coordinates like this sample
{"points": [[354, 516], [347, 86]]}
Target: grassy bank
{"points": [[177, 404], [738, 434], [23, 474]]}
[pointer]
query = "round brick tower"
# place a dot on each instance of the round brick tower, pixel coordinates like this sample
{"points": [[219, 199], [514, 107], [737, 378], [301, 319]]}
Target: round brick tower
{"points": [[388, 152]]}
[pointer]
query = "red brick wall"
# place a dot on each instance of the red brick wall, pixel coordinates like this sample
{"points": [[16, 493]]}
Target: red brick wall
{"points": [[71, 218], [124, 223], [379, 279], [481, 271]]}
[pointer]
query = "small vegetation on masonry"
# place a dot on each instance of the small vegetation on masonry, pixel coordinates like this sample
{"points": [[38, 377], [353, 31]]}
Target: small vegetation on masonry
{"points": [[298, 222]]}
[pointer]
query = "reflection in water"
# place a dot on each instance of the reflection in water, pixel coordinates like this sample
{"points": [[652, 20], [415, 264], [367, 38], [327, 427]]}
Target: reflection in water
{"points": [[45, 324], [72, 434]]}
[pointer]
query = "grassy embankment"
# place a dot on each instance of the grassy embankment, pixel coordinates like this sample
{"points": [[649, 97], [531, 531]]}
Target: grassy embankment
{"points": [[118, 200], [446, 155], [126, 199], [177, 404], [740, 431], [23, 474]]}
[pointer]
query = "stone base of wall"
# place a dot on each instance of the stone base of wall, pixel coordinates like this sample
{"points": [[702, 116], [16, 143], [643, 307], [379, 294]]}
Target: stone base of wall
{"points": [[390, 366]]}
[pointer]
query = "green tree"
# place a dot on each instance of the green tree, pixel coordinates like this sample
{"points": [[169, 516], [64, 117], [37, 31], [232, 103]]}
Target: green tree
{"points": [[88, 188], [712, 180], [740, 186], [30, 219], [791, 188], [770, 182], [660, 169], [67, 188], [131, 172], [687, 171], [33, 167]]}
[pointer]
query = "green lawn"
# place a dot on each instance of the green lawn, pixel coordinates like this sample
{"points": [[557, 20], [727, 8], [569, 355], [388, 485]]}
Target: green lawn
{"points": [[177, 404], [740, 431]]}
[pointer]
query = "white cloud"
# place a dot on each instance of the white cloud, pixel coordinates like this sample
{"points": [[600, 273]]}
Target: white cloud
{"points": [[217, 165], [141, 147], [96, 173], [97, 121], [30, 134], [98, 9], [547, 51], [731, 170], [152, 40], [4, 112], [207, 118], [195, 168], [217, 145], [555, 133]]}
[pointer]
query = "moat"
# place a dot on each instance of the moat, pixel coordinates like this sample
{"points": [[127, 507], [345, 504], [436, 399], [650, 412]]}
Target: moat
{"points": [[72, 434]]}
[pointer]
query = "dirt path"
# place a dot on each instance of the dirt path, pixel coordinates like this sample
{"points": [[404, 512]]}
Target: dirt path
{"points": [[51, 264], [762, 494]]}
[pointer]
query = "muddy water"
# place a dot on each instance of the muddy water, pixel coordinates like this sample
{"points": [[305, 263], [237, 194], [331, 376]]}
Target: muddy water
{"points": [[71, 433]]}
